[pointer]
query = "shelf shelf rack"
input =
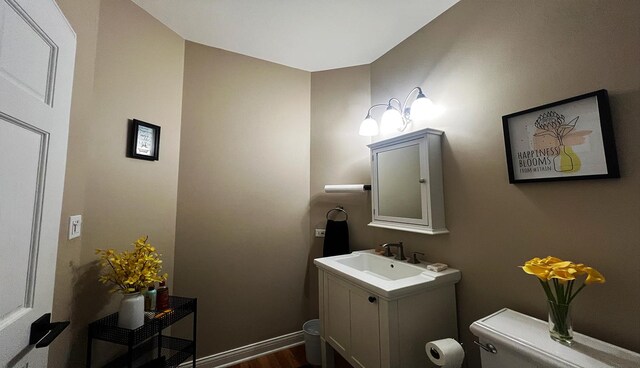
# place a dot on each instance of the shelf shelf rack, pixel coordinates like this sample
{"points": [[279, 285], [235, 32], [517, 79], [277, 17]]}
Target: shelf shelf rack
{"points": [[148, 340]]}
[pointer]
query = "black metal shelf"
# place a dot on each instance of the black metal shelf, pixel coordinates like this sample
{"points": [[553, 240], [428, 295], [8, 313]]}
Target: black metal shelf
{"points": [[147, 340], [173, 352]]}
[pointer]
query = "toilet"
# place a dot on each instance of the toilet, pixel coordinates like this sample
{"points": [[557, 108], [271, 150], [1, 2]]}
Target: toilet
{"points": [[511, 339]]}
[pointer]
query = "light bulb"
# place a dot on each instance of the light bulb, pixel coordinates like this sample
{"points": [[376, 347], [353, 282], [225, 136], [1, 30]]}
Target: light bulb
{"points": [[391, 121], [422, 108], [369, 127]]}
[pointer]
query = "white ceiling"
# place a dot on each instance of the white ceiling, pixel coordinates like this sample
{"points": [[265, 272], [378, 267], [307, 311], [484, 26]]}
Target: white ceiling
{"points": [[311, 35]]}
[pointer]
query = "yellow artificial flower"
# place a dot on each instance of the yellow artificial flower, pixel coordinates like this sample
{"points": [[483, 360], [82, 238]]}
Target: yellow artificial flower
{"points": [[558, 277], [564, 274], [561, 264], [131, 271], [542, 271], [593, 276], [550, 260]]}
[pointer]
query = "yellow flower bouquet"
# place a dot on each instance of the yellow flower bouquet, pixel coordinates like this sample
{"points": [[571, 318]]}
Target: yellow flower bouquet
{"points": [[557, 278], [131, 271]]}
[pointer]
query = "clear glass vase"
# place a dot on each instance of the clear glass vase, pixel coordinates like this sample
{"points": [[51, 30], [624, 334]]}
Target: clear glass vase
{"points": [[560, 327]]}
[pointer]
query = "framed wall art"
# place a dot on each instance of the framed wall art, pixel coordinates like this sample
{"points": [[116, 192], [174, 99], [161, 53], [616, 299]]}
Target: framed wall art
{"points": [[144, 141], [565, 140]]}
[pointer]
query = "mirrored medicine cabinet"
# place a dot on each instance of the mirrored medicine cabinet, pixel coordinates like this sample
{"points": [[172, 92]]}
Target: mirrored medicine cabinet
{"points": [[406, 183]]}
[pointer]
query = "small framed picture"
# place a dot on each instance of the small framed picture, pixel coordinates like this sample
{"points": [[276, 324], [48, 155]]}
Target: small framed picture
{"points": [[144, 141], [566, 140]]}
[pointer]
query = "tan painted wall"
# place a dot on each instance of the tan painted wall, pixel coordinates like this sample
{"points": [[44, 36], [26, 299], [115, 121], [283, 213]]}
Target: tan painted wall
{"points": [[243, 224], [128, 65], [339, 100], [483, 60]]}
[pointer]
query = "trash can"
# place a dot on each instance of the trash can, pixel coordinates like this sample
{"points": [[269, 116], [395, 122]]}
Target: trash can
{"points": [[311, 331]]}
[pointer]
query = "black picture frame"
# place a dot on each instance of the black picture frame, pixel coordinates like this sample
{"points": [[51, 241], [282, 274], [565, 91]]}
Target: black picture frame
{"points": [[144, 141], [571, 139]]}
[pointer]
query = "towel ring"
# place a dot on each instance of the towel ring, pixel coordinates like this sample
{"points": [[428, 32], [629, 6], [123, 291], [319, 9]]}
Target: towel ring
{"points": [[338, 209]]}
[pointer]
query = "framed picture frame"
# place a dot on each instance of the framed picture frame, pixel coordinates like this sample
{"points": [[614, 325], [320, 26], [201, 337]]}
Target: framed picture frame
{"points": [[144, 141], [570, 139]]}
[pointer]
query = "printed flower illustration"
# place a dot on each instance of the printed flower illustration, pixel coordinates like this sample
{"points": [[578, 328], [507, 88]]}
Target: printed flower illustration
{"points": [[553, 124]]}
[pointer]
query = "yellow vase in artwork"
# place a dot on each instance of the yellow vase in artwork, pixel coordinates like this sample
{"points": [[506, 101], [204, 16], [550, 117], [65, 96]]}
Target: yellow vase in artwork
{"points": [[567, 161]]}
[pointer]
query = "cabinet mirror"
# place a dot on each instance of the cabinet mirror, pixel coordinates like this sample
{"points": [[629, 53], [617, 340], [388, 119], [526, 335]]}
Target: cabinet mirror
{"points": [[406, 183]]}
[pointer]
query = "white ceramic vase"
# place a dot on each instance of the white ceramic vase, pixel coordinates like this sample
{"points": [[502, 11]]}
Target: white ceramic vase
{"points": [[131, 313]]}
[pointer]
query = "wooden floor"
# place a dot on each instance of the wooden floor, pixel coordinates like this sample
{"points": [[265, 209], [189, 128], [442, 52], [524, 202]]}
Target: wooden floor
{"points": [[290, 358]]}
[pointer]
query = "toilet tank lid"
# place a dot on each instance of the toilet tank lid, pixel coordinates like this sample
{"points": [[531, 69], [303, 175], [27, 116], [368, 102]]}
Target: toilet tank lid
{"points": [[529, 337]]}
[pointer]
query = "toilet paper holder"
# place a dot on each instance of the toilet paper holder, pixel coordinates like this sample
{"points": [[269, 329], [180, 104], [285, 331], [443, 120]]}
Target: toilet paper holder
{"points": [[488, 347]]}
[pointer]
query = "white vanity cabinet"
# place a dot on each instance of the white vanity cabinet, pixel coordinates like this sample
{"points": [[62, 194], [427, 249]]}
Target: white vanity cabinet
{"points": [[374, 331], [406, 183]]}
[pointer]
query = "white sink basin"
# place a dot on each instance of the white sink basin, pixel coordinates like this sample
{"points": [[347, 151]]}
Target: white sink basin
{"points": [[386, 276], [380, 267]]}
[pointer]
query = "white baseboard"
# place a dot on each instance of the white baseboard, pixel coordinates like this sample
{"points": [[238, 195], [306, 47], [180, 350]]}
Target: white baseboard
{"points": [[248, 352]]}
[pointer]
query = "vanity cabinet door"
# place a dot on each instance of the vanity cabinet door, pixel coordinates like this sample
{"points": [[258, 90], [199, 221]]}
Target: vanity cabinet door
{"points": [[365, 329], [337, 313], [352, 322]]}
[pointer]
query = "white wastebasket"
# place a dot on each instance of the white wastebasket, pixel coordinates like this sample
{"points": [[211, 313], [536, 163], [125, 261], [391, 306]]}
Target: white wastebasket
{"points": [[311, 331]]}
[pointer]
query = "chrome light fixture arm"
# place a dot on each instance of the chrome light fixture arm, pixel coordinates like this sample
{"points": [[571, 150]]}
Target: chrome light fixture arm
{"points": [[397, 101], [371, 108], [406, 112], [369, 126]]}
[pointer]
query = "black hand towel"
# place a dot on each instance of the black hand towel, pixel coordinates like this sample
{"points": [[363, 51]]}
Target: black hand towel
{"points": [[336, 238]]}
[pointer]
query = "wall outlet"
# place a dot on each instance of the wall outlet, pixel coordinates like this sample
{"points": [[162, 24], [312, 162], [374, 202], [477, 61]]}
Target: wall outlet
{"points": [[320, 233], [75, 226]]}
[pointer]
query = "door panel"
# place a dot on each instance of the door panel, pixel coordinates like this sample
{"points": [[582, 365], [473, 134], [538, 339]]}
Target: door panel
{"points": [[22, 154], [37, 51], [337, 308], [27, 54], [365, 329]]}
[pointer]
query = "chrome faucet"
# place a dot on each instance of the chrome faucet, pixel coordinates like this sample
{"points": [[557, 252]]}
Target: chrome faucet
{"points": [[387, 250]]}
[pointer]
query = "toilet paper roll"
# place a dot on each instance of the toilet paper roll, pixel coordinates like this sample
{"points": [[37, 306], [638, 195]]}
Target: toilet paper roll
{"points": [[446, 353]]}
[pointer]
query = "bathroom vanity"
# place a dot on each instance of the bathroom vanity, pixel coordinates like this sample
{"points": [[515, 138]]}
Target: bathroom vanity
{"points": [[380, 312]]}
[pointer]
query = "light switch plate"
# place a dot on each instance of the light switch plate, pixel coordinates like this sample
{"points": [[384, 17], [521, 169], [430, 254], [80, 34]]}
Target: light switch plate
{"points": [[75, 226], [320, 233]]}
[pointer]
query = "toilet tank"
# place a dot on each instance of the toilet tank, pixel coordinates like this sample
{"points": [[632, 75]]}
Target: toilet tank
{"points": [[523, 341]]}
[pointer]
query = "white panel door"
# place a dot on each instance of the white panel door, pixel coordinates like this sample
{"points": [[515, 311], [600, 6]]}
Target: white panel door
{"points": [[37, 51]]}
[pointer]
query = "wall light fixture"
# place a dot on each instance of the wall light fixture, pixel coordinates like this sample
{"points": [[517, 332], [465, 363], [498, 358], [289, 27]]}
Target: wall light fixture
{"points": [[396, 118]]}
